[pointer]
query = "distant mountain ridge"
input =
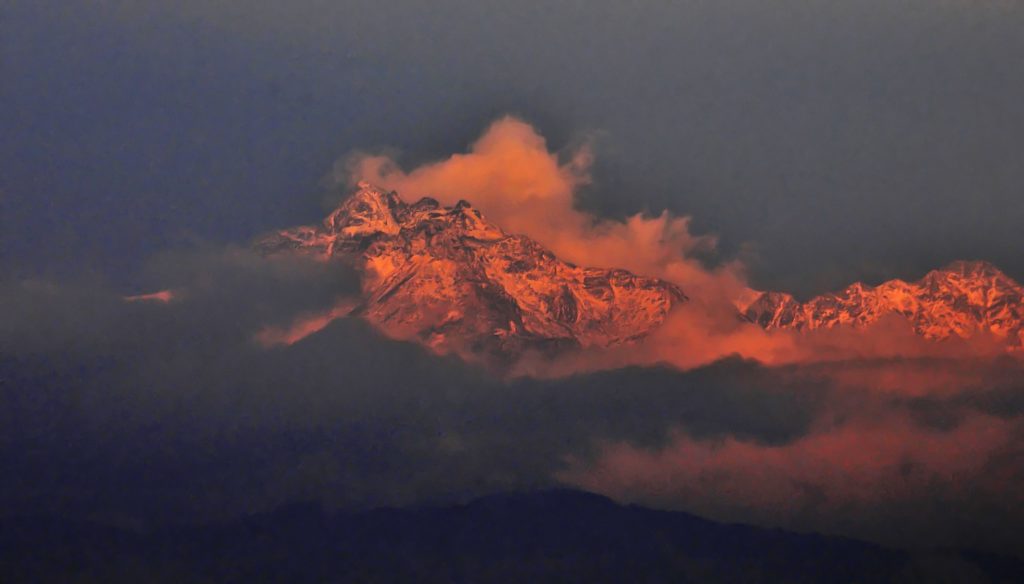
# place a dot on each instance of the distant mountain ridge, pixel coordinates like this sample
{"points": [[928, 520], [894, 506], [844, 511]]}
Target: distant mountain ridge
{"points": [[546, 536], [961, 299], [451, 279]]}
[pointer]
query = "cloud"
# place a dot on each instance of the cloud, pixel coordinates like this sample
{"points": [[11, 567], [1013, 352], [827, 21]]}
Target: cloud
{"points": [[213, 296], [873, 478], [205, 406], [304, 325], [522, 185], [154, 411], [164, 296], [512, 176], [862, 463]]}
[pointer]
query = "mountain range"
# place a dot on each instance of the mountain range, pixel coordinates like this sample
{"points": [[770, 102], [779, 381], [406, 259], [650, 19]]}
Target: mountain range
{"points": [[456, 282], [963, 299], [544, 536]]}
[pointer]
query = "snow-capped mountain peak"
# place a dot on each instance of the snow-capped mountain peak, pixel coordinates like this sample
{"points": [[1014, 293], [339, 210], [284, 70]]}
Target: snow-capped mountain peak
{"points": [[448, 277], [961, 299]]}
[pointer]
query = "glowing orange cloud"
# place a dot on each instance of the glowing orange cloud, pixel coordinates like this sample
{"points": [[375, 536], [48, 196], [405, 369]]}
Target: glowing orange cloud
{"points": [[699, 333], [303, 326], [861, 463], [510, 175], [163, 296]]}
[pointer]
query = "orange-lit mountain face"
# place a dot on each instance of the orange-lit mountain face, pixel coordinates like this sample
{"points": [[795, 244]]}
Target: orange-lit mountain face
{"points": [[961, 299], [450, 279]]}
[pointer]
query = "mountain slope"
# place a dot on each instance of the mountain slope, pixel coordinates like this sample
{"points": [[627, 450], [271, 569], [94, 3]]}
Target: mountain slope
{"points": [[961, 299], [448, 277]]}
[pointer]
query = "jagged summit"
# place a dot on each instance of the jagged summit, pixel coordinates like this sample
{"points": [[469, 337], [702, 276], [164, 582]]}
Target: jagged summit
{"points": [[453, 280], [961, 299]]}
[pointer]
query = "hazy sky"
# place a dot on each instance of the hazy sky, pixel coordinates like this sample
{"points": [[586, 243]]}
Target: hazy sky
{"points": [[827, 140]]}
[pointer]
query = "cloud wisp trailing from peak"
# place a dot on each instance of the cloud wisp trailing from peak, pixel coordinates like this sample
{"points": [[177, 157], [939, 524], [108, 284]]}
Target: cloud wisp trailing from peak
{"points": [[304, 325]]}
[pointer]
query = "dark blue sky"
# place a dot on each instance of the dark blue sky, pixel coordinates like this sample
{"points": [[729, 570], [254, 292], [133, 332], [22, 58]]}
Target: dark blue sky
{"points": [[836, 140]]}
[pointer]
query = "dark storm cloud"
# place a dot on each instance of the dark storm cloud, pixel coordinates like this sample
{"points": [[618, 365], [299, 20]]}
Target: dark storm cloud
{"points": [[835, 140]]}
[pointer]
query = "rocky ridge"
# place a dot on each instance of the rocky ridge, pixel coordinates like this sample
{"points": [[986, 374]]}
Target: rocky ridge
{"points": [[961, 299], [449, 278]]}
